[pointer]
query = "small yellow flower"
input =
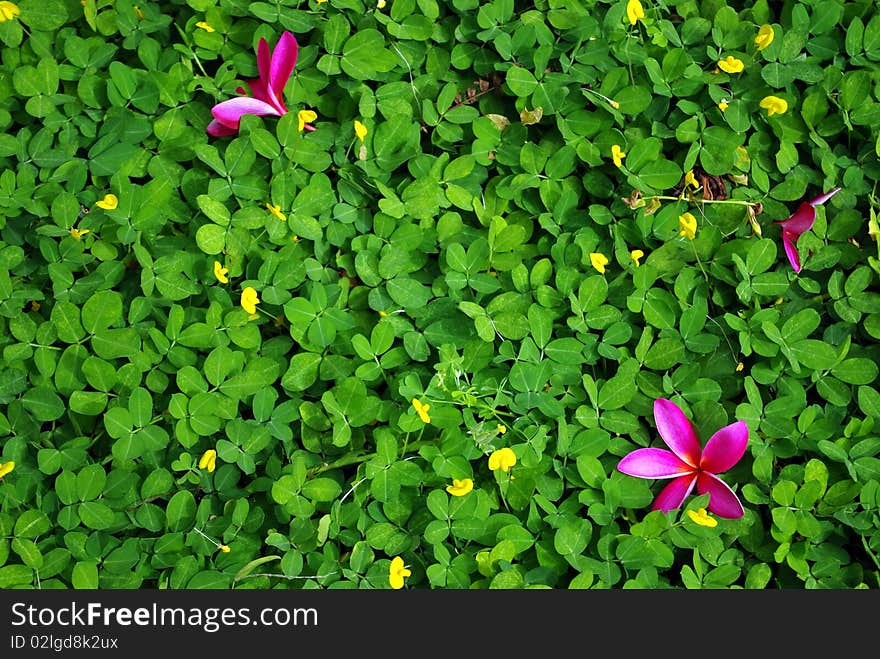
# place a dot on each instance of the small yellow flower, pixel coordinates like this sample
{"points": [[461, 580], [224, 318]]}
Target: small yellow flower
{"points": [[774, 105], [205, 26], [249, 300], [690, 179], [6, 468], [614, 104], [360, 130], [381, 4], [765, 36], [503, 459], [208, 460], [422, 410], [598, 261], [220, 272], [383, 314], [722, 105], [79, 233], [634, 11], [730, 64], [138, 13], [688, 226], [225, 549], [8, 11], [320, 2], [501, 429], [460, 487], [618, 155], [397, 572], [702, 518], [740, 366], [635, 255], [304, 117], [276, 211], [108, 203]]}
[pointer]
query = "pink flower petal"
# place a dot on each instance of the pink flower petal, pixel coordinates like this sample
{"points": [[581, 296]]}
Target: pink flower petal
{"points": [[217, 129], [725, 448], [653, 463], [677, 431], [283, 60], [264, 59], [722, 500], [674, 494], [801, 220], [229, 112], [789, 242], [821, 199], [258, 90]]}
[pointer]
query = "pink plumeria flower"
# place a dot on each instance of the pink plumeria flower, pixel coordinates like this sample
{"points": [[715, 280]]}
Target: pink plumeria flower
{"points": [[800, 222], [687, 464], [267, 90]]}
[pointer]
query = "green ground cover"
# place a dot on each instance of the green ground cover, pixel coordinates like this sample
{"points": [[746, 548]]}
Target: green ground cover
{"points": [[395, 318]]}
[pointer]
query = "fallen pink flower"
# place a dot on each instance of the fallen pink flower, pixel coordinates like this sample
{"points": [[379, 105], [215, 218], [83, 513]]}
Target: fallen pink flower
{"points": [[687, 464], [267, 90], [800, 222]]}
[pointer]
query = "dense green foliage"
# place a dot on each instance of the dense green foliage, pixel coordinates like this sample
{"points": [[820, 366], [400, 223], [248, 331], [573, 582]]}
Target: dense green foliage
{"points": [[445, 258]]}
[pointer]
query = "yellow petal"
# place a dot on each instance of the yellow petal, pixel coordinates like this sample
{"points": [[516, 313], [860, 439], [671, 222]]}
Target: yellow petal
{"points": [[774, 105], [635, 255], [220, 272], [276, 211], [764, 37], [503, 459], [702, 518], [108, 203], [304, 117], [225, 549], [634, 11], [208, 460], [722, 106], [8, 11], [460, 487], [6, 468], [598, 261], [249, 300], [397, 571], [422, 410], [688, 225], [205, 26], [79, 233], [501, 429], [617, 154], [360, 130], [731, 64]]}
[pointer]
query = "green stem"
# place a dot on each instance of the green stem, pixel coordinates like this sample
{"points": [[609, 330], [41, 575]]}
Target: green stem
{"points": [[737, 202], [349, 460], [870, 553]]}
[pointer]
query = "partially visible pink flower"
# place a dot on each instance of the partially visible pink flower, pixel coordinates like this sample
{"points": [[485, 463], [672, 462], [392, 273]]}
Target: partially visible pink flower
{"points": [[800, 222], [687, 464], [267, 90]]}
